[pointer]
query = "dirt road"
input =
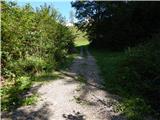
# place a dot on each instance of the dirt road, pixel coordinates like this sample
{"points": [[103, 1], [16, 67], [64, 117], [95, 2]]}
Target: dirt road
{"points": [[76, 96]]}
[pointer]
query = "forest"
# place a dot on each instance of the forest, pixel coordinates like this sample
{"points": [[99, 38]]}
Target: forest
{"points": [[123, 36]]}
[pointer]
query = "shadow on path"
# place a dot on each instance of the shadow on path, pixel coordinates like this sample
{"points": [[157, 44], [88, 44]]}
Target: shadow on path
{"points": [[74, 116]]}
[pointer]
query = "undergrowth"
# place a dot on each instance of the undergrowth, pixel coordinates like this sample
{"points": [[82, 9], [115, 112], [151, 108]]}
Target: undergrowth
{"points": [[33, 42], [134, 76], [13, 93]]}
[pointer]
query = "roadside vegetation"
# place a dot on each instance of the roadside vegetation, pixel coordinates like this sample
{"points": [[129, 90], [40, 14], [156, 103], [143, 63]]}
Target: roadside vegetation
{"points": [[34, 43], [133, 74], [123, 36], [125, 40]]}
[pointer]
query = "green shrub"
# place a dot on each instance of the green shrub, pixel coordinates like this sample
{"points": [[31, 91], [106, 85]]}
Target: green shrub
{"points": [[135, 108], [30, 100], [33, 41], [139, 72], [133, 75], [12, 93]]}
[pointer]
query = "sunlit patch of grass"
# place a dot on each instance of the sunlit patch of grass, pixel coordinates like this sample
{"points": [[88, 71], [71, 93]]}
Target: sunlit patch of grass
{"points": [[12, 91], [46, 77], [81, 37], [30, 100], [81, 42]]}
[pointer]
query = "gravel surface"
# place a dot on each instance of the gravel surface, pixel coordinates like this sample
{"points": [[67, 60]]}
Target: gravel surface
{"points": [[69, 99]]}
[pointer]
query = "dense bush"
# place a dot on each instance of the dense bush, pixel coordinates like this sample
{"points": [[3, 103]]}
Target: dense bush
{"points": [[32, 41], [139, 73], [12, 94], [134, 75]]}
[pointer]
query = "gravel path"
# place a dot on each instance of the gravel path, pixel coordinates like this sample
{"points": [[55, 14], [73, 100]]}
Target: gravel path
{"points": [[69, 99]]}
